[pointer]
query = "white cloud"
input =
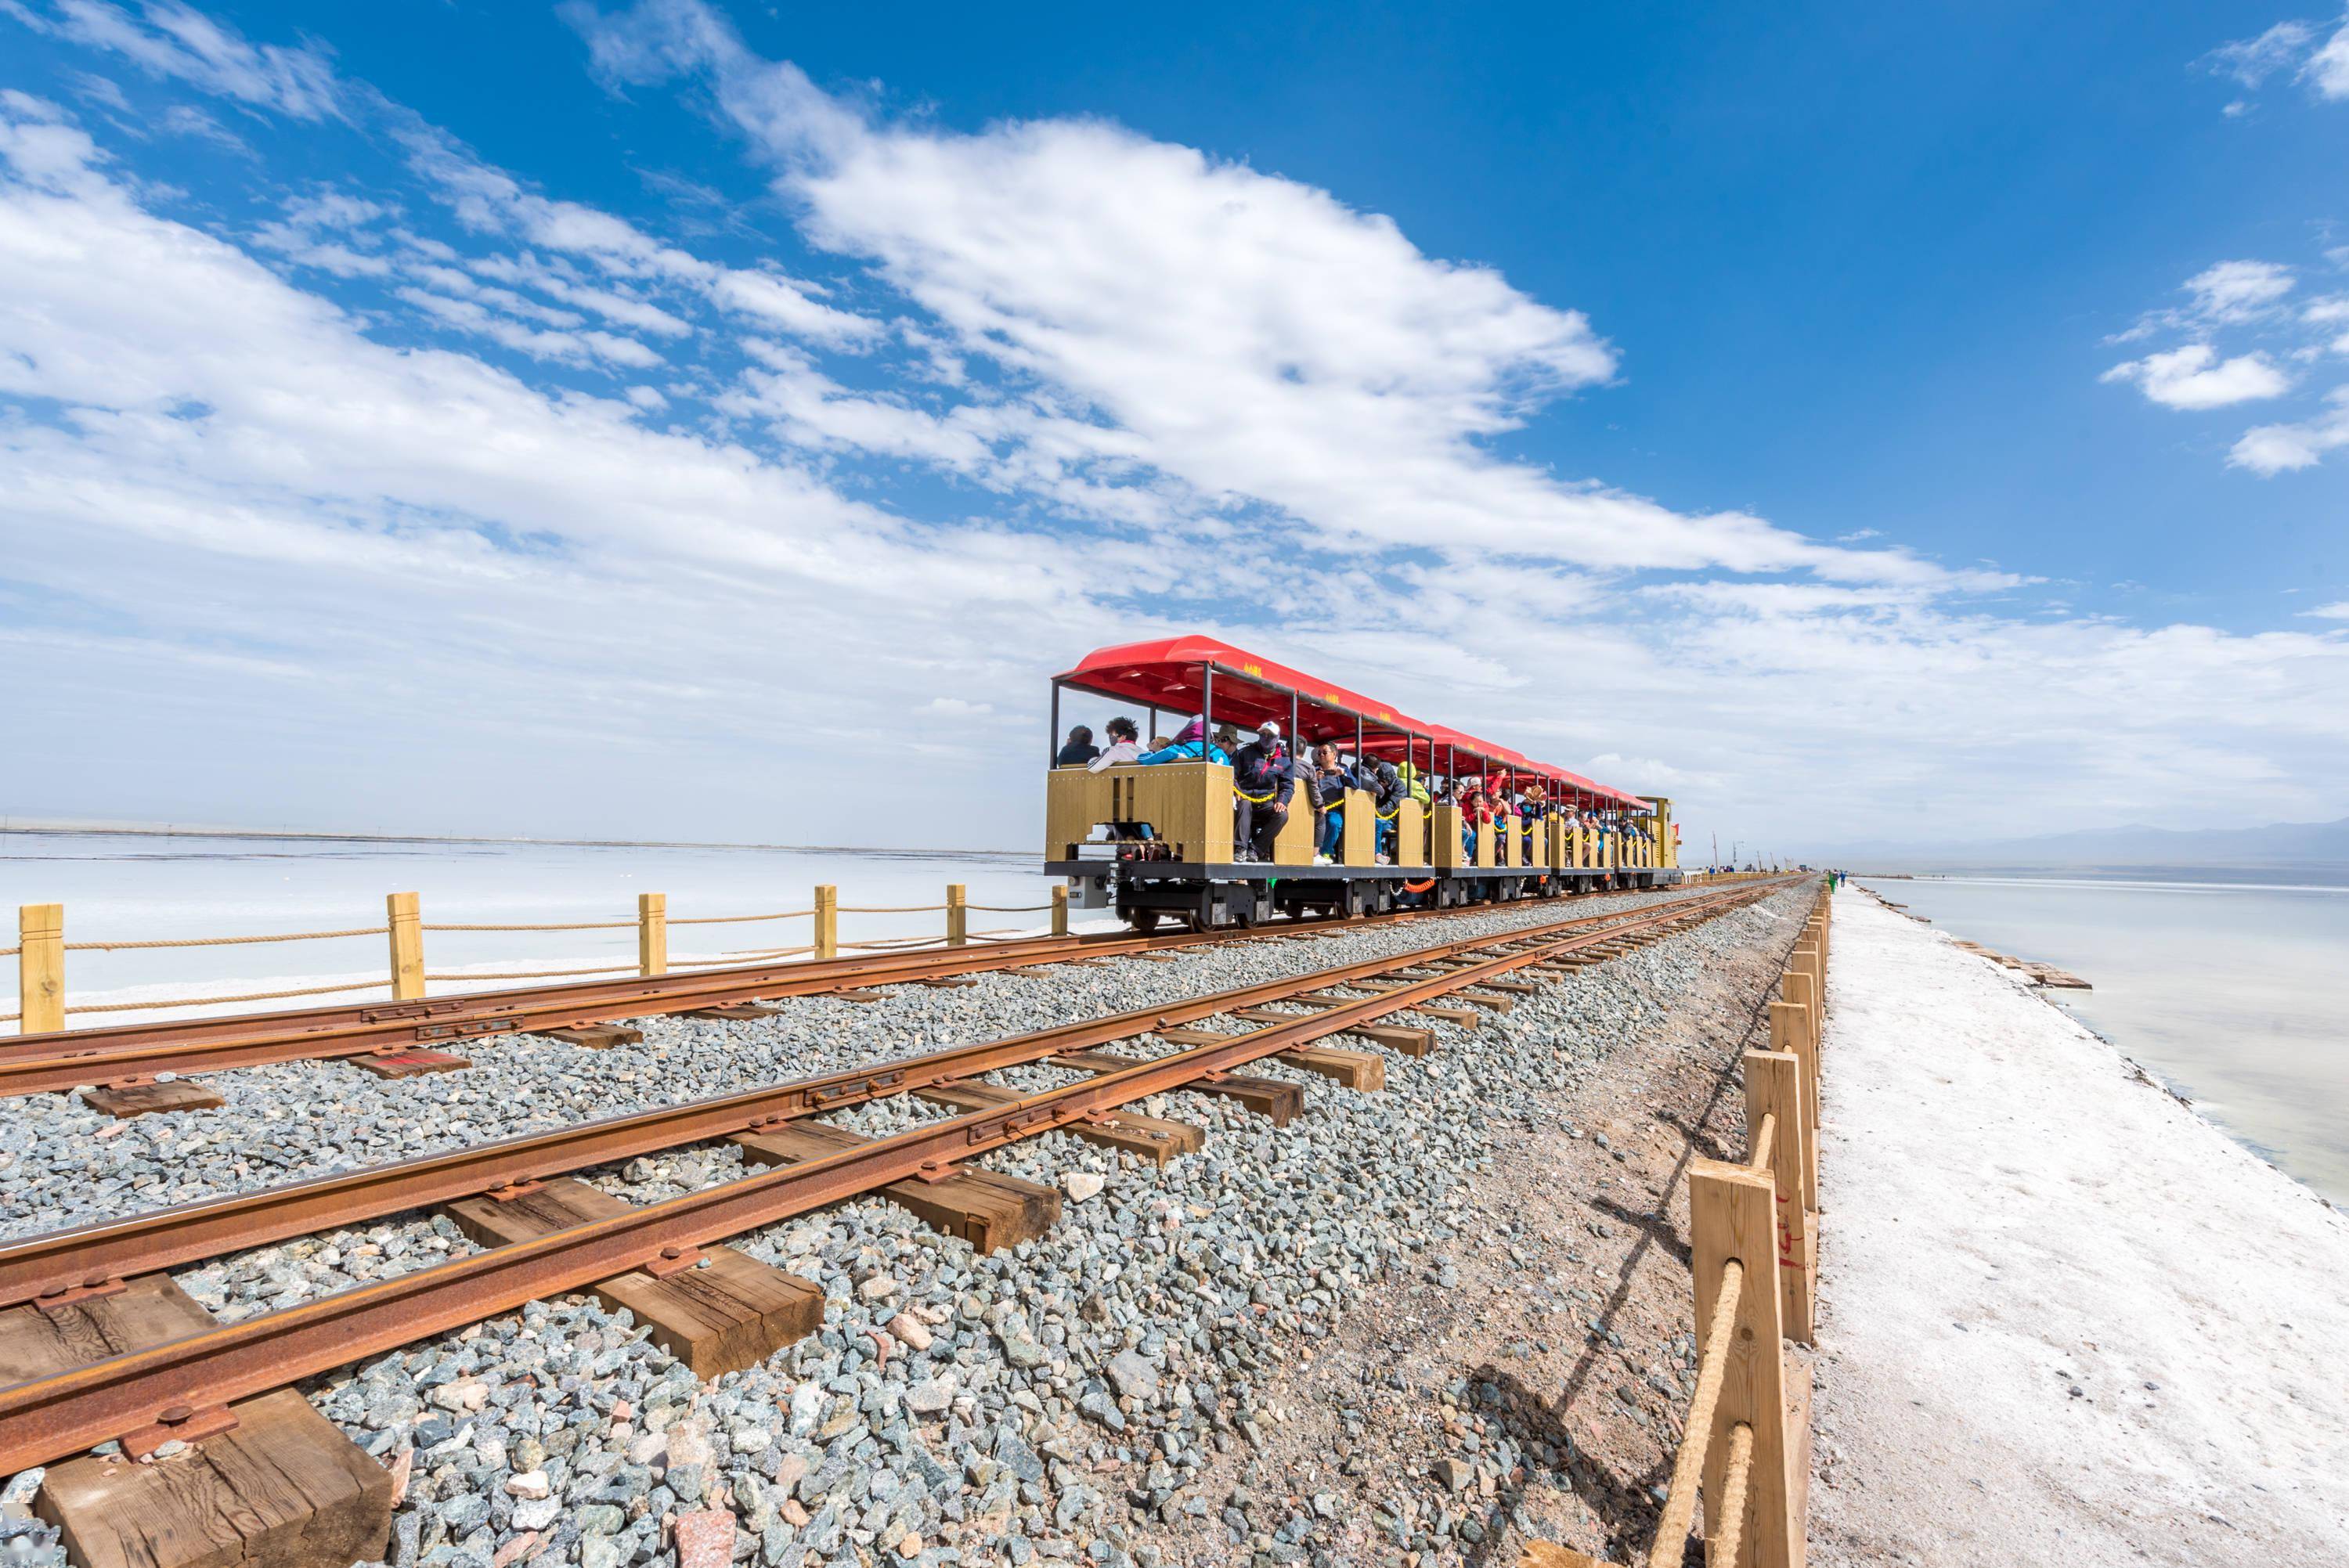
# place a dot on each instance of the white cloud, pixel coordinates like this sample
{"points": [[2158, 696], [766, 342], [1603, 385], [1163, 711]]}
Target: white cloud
{"points": [[2251, 61], [1197, 338], [2238, 291], [2195, 377], [174, 41], [2276, 448], [2334, 612], [2327, 70]]}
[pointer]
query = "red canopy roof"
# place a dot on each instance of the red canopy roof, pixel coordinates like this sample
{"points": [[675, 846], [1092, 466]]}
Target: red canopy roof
{"points": [[1170, 673]]}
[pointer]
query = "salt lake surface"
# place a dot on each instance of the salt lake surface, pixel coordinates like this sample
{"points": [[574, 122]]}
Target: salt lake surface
{"points": [[2231, 984], [135, 888]]}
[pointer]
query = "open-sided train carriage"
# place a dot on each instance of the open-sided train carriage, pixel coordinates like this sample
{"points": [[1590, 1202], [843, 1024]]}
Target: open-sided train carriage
{"points": [[1156, 841]]}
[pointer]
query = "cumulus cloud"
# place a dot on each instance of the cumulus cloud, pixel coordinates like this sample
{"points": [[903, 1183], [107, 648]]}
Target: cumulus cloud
{"points": [[2277, 449], [2195, 377]]}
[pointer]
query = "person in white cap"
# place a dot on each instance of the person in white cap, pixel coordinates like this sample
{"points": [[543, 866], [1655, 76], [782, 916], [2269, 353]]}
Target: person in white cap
{"points": [[1261, 788]]}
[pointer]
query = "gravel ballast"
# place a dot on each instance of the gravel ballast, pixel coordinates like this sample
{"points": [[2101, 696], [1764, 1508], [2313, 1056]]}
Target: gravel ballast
{"points": [[1060, 1400]]}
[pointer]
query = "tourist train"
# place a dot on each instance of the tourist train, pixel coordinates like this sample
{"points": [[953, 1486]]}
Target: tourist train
{"points": [[1158, 837]]}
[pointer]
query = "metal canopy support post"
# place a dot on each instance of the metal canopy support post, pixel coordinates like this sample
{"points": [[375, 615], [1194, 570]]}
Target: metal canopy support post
{"points": [[1207, 709], [1052, 736]]}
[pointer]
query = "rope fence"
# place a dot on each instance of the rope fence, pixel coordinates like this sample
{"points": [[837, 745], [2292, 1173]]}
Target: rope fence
{"points": [[222, 941], [1744, 1449], [40, 955]]}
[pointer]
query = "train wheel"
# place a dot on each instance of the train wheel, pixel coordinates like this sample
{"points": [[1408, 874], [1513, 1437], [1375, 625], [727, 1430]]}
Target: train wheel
{"points": [[1143, 921]]}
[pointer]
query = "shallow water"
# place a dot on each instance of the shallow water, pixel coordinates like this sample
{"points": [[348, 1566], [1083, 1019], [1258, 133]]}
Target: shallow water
{"points": [[122, 887], [2232, 983]]}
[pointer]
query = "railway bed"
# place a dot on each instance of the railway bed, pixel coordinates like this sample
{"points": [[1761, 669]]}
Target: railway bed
{"points": [[912, 1160]]}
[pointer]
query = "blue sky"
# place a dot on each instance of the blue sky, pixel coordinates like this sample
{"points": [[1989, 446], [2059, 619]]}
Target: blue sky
{"points": [[670, 419]]}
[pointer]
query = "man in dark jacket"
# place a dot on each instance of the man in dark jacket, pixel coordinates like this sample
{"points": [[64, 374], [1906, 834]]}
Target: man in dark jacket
{"points": [[1262, 787], [1080, 749], [1386, 786]]}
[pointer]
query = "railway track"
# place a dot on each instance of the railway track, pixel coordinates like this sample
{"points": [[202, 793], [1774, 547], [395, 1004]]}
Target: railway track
{"points": [[136, 1053], [162, 1387]]}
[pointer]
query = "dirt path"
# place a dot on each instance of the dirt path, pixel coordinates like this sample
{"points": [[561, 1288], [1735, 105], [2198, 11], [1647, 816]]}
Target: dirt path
{"points": [[1530, 1381]]}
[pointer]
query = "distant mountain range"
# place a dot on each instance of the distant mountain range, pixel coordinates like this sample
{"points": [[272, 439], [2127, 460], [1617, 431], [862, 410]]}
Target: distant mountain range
{"points": [[2277, 843]]}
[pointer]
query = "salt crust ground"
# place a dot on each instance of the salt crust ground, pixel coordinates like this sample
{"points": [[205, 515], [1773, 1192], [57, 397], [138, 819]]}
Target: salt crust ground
{"points": [[2066, 1321]]}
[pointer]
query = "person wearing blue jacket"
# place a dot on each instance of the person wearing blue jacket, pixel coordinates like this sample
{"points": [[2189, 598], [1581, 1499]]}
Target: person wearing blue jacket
{"points": [[1188, 747]]}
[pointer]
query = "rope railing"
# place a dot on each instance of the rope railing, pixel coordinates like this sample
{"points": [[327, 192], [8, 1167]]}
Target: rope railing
{"points": [[742, 919], [40, 953], [1753, 1255], [565, 925], [220, 941]]}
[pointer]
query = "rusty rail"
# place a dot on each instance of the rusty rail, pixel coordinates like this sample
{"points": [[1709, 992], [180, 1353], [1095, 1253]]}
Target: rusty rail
{"points": [[59, 1260], [48, 1418]]}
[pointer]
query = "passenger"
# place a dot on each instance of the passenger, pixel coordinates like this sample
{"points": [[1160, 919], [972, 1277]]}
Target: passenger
{"points": [[1330, 782], [1533, 809], [1228, 739], [1125, 744], [1262, 787], [1416, 781], [1080, 749], [1186, 747], [1473, 811], [1384, 780]]}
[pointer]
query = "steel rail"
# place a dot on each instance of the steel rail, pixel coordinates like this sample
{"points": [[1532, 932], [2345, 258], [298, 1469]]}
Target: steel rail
{"points": [[85, 1257], [49, 1418], [45, 1063]]}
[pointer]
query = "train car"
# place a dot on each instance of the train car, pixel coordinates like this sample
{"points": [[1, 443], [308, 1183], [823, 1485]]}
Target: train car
{"points": [[1156, 841]]}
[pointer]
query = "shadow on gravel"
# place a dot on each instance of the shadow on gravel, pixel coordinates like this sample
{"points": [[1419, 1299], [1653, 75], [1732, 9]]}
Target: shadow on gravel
{"points": [[1628, 1504]]}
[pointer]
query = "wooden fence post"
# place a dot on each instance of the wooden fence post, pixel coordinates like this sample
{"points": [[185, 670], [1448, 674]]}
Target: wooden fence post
{"points": [[827, 921], [957, 916], [1790, 1032], [652, 934], [40, 968], [407, 946], [1061, 910], [1797, 985], [1773, 1089], [1730, 1216]]}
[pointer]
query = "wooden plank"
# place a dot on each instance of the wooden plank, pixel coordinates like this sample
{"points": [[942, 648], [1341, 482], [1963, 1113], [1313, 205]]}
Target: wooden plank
{"points": [[1510, 987], [146, 1099], [731, 1313], [1273, 1098], [1546, 1554], [1490, 1000], [408, 1064], [949, 982], [855, 993], [281, 1489], [1365, 1070], [734, 1010], [1409, 1042], [989, 1211], [597, 1036], [1152, 1138]]}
